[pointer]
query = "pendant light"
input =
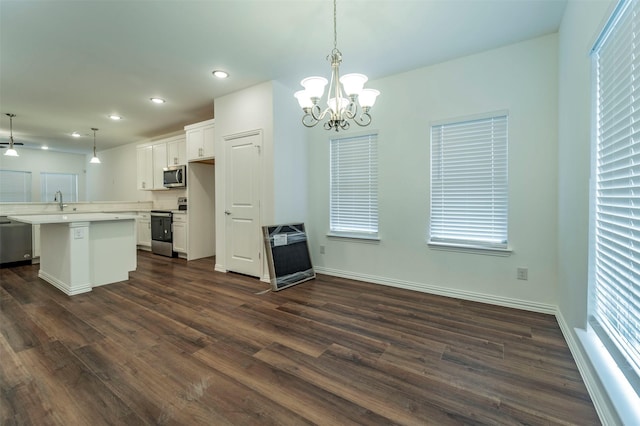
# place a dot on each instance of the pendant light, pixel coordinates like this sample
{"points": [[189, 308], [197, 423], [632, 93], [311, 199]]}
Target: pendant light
{"points": [[11, 152], [95, 159]]}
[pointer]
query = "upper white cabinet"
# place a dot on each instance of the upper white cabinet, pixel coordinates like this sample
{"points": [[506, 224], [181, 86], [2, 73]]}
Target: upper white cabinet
{"points": [[145, 167], [200, 140], [151, 160], [159, 163], [177, 151], [153, 157]]}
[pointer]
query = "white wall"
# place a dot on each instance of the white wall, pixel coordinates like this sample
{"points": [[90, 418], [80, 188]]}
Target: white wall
{"points": [[246, 110], [289, 159], [581, 24], [115, 178], [521, 78], [37, 161], [271, 108]]}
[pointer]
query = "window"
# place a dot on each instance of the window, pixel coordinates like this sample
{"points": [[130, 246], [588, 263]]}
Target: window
{"points": [[614, 309], [354, 187], [67, 183], [15, 186], [469, 183]]}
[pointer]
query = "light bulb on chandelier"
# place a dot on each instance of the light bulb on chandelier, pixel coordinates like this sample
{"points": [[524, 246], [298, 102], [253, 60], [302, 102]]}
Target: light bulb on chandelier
{"points": [[354, 101]]}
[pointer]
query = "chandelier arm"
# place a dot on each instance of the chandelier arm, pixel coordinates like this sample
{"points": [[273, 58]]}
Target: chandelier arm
{"points": [[351, 110], [363, 120], [317, 114], [308, 120]]}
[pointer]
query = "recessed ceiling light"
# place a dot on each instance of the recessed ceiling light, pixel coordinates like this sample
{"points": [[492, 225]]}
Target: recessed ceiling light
{"points": [[221, 74], [45, 147], [115, 117], [75, 134], [158, 100]]}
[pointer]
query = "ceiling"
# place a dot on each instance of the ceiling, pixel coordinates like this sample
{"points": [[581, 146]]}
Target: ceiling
{"points": [[66, 65]]}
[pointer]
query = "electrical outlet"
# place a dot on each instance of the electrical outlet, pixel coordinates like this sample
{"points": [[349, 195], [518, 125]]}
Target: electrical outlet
{"points": [[321, 249], [523, 274]]}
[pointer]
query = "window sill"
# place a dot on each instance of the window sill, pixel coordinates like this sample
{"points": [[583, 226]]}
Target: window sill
{"points": [[363, 238], [462, 248], [624, 399]]}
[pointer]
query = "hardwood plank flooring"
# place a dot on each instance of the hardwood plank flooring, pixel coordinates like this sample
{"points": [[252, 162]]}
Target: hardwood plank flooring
{"points": [[180, 344]]}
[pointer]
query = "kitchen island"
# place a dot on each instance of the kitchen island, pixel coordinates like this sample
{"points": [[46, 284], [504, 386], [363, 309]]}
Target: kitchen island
{"points": [[79, 251]]}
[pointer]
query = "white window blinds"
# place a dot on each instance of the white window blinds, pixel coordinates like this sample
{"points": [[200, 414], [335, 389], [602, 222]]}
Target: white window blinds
{"points": [[354, 186], [15, 186], [615, 266], [67, 183], [469, 183]]}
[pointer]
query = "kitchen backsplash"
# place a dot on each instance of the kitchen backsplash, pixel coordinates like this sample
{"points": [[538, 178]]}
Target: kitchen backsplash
{"points": [[167, 200]]}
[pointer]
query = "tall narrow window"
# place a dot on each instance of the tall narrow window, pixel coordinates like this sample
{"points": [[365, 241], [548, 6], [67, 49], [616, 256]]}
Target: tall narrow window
{"points": [[67, 183], [354, 186], [15, 186], [615, 228], [469, 183]]}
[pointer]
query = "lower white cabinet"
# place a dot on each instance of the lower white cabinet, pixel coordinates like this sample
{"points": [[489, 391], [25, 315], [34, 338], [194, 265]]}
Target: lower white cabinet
{"points": [[144, 230], [180, 233]]}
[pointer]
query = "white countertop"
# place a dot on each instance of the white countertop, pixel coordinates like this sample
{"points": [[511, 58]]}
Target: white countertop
{"points": [[36, 219]]}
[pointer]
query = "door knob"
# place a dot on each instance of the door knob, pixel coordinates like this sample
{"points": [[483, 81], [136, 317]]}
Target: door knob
{"points": [[227, 212]]}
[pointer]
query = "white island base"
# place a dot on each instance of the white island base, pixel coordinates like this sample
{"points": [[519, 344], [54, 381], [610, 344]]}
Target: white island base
{"points": [[82, 251]]}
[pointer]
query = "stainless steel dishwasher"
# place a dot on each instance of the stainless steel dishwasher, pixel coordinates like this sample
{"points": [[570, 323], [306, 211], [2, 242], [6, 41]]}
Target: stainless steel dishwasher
{"points": [[15, 242]]}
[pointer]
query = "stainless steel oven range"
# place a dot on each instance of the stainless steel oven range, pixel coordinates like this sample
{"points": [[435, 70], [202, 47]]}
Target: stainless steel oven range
{"points": [[161, 233]]}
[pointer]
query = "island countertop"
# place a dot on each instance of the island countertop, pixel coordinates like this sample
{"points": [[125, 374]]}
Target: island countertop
{"points": [[38, 219]]}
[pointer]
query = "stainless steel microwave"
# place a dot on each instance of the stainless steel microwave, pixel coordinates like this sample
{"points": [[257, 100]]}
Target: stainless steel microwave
{"points": [[174, 177]]}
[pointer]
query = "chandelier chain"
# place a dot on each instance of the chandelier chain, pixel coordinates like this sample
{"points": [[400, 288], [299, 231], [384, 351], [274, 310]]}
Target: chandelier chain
{"points": [[335, 27]]}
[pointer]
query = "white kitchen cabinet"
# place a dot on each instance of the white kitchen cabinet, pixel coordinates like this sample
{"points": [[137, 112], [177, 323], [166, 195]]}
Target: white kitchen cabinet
{"points": [[145, 167], [180, 232], [159, 154], [151, 161], [144, 230], [200, 140], [177, 151]]}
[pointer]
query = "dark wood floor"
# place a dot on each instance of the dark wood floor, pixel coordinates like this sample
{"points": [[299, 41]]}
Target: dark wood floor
{"points": [[181, 344]]}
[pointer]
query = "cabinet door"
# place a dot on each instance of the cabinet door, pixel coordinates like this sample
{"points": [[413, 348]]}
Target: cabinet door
{"points": [[144, 170], [159, 163], [180, 237], [208, 141], [144, 230], [177, 152], [195, 139]]}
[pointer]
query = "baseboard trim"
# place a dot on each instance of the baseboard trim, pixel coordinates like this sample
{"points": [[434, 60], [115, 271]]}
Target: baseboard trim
{"points": [[598, 397], [442, 291]]}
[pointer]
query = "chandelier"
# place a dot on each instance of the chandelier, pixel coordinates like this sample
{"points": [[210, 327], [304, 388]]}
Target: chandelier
{"points": [[347, 99]]}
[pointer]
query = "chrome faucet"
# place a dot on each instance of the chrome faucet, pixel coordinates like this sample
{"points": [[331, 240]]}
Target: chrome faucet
{"points": [[59, 200]]}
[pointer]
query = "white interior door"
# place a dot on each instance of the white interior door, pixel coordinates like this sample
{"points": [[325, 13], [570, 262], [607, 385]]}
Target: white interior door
{"points": [[242, 213]]}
